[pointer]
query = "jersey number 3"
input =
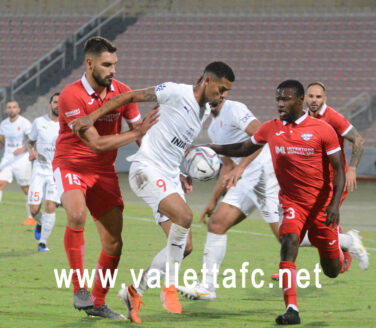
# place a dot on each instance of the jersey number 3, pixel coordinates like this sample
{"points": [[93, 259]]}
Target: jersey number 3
{"points": [[290, 213]]}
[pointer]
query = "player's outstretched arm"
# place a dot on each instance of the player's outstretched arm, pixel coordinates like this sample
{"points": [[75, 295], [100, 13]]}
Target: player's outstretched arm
{"points": [[233, 177], [143, 95], [240, 149], [357, 151], [99, 144], [339, 178], [219, 189]]}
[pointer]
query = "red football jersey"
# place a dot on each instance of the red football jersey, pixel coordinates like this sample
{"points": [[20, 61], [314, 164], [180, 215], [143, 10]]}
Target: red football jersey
{"points": [[300, 158], [79, 99], [338, 122]]}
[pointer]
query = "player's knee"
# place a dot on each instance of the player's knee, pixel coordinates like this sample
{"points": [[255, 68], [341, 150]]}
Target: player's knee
{"points": [[50, 208], [289, 247], [113, 247], [215, 225], [186, 218], [77, 217]]}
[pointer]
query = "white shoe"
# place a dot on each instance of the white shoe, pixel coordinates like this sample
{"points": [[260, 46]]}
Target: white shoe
{"points": [[357, 249], [197, 292]]}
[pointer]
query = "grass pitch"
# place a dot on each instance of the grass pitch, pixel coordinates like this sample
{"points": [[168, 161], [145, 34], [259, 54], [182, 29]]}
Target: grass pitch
{"points": [[29, 296]]}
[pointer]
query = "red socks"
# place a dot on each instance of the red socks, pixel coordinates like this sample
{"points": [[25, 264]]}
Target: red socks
{"points": [[289, 293], [75, 248], [105, 262]]}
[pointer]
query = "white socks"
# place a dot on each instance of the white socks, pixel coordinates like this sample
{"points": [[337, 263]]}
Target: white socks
{"points": [[1, 195], [47, 221], [214, 252], [158, 263], [176, 242], [345, 241]]}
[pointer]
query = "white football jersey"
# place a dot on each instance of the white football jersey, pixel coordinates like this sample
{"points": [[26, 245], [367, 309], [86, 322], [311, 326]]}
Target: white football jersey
{"points": [[44, 131], [164, 145], [229, 127], [15, 134]]}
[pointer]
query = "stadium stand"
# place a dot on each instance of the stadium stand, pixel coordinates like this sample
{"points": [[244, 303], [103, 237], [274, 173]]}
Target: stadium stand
{"points": [[262, 50], [29, 38], [330, 41]]}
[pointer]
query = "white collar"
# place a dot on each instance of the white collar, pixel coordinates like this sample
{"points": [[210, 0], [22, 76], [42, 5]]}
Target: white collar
{"points": [[322, 110], [88, 87], [299, 120]]}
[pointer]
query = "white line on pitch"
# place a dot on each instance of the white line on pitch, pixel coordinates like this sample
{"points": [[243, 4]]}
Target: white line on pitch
{"points": [[231, 230]]}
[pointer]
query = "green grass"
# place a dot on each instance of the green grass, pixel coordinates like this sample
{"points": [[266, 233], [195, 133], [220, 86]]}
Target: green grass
{"points": [[29, 296]]}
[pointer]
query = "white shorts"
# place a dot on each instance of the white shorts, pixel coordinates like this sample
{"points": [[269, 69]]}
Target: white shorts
{"points": [[42, 187], [20, 169], [152, 185], [256, 190]]}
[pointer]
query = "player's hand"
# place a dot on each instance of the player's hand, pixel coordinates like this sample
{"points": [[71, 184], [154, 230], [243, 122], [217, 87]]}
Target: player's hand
{"points": [[19, 151], [332, 216], [190, 149], [186, 183], [208, 211], [149, 120], [351, 179], [231, 179], [33, 155], [81, 124]]}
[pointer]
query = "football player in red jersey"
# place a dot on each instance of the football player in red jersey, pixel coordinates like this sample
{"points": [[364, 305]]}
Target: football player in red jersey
{"points": [[316, 101], [84, 169], [302, 148], [315, 98]]}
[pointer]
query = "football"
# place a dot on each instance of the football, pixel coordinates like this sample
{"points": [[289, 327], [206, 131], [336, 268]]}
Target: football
{"points": [[202, 163]]}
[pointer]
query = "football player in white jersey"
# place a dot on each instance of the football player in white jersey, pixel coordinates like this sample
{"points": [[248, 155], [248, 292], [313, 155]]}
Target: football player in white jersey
{"points": [[41, 146], [15, 162], [258, 187], [155, 175]]}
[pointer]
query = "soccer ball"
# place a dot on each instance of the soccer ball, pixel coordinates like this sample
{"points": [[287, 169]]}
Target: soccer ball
{"points": [[202, 163]]}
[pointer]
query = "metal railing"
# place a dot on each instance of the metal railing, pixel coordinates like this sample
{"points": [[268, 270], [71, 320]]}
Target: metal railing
{"points": [[98, 21], [358, 106], [59, 53], [34, 71]]}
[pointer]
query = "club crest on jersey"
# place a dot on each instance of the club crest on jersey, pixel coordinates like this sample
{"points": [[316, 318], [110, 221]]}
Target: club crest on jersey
{"points": [[306, 136], [160, 87]]}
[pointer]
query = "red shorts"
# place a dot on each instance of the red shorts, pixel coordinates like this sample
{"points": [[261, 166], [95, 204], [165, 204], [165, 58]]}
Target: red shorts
{"points": [[101, 189], [298, 220]]}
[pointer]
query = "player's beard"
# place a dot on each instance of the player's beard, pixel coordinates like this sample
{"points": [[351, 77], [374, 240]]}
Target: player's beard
{"points": [[55, 112], [102, 81], [12, 115], [317, 109]]}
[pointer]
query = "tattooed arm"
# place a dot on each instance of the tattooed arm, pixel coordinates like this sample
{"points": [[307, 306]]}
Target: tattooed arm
{"points": [[143, 95], [357, 151]]}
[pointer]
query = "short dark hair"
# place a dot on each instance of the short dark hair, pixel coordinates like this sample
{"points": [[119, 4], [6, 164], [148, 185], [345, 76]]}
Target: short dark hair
{"points": [[294, 85], [320, 84], [54, 95], [220, 70], [97, 44]]}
